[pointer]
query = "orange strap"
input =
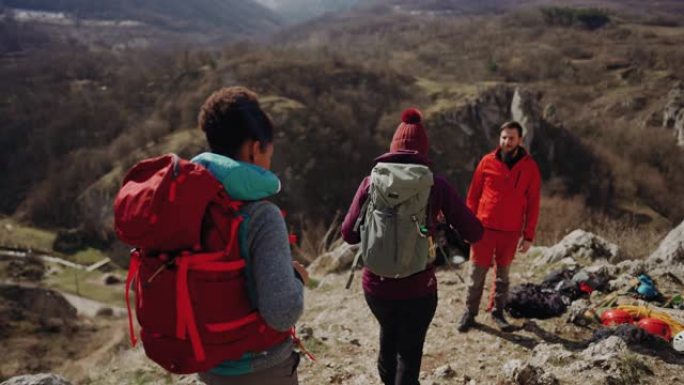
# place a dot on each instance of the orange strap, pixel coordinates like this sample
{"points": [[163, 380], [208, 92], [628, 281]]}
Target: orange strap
{"points": [[186, 325], [133, 268], [234, 234], [223, 327], [300, 345]]}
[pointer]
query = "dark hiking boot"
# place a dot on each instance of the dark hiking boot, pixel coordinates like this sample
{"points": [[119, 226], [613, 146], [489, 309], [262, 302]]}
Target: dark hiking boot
{"points": [[467, 321], [500, 321]]}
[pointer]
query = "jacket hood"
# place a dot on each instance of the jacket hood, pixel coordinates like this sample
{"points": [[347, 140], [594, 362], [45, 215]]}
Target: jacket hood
{"points": [[242, 181]]}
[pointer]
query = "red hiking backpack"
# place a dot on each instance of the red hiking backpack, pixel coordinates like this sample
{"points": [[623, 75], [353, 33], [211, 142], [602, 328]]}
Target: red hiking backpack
{"points": [[191, 295]]}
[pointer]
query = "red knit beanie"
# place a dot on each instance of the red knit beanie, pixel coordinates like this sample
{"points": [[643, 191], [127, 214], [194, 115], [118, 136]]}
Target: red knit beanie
{"points": [[410, 134]]}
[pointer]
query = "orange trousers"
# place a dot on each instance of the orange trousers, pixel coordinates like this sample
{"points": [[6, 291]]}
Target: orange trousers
{"points": [[496, 248]]}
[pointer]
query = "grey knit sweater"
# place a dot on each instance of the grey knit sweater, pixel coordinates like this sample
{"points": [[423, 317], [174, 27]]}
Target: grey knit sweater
{"points": [[279, 295]]}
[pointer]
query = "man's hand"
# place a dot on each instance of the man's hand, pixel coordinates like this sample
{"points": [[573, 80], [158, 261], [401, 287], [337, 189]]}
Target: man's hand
{"points": [[301, 270], [524, 246]]}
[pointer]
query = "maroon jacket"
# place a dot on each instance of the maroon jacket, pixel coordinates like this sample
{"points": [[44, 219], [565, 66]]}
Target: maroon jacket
{"points": [[444, 199]]}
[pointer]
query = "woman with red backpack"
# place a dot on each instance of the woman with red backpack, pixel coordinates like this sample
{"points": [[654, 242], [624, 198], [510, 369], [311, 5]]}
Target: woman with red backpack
{"points": [[403, 194], [217, 292], [240, 136]]}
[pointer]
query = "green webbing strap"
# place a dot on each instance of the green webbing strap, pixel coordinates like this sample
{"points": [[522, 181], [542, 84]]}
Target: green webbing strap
{"points": [[357, 225], [362, 213], [357, 257]]}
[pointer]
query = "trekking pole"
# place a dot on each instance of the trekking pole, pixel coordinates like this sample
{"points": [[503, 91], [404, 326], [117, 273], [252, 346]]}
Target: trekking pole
{"points": [[449, 263], [459, 277], [350, 278], [444, 255]]}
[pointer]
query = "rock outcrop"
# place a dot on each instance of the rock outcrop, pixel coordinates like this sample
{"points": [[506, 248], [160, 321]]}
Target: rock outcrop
{"points": [[334, 261], [37, 379], [581, 245], [523, 373], [33, 311], [674, 112], [460, 135], [40, 302], [525, 111], [671, 250], [604, 362]]}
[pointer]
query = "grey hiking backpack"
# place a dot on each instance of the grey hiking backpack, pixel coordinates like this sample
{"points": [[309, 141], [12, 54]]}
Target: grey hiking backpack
{"points": [[393, 222]]}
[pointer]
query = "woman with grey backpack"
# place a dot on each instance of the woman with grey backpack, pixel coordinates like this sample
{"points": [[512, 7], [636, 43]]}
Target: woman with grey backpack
{"points": [[392, 216]]}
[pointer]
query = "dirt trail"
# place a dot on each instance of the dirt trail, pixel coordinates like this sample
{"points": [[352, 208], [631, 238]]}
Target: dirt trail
{"points": [[112, 332], [90, 308], [101, 349], [84, 306], [74, 348]]}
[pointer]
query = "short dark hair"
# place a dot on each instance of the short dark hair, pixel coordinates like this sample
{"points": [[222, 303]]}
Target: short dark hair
{"points": [[231, 116], [512, 125]]}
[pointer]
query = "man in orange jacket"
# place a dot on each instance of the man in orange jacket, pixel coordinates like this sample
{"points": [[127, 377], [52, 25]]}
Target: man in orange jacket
{"points": [[504, 195]]}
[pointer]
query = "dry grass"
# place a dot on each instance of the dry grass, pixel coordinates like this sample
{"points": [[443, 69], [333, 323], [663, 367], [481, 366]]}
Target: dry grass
{"points": [[635, 241], [636, 230], [15, 234], [560, 216], [316, 238]]}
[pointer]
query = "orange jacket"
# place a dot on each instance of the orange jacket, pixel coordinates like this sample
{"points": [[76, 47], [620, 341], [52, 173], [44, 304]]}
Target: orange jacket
{"points": [[506, 199]]}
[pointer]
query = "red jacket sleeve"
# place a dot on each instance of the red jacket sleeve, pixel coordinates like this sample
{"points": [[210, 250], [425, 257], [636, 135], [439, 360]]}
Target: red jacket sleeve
{"points": [[532, 204], [475, 189], [348, 232]]}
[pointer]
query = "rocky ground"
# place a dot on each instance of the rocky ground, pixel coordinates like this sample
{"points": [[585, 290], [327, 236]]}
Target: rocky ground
{"points": [[340, 330], [344, 336]]}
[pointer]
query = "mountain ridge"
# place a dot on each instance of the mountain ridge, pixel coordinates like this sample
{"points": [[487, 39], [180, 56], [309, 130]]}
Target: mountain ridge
{"points": [[241, 17], [301, 10]]}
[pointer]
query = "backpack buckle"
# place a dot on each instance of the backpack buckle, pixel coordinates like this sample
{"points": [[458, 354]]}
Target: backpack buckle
{"points": [[421, 230]]}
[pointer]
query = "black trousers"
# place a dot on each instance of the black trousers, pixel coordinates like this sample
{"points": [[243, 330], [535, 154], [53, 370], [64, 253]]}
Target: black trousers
{"points": [[403, 326]]}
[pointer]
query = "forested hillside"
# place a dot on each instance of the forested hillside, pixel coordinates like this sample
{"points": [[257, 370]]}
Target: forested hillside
{"points": [[73, 119], [227, 16]]}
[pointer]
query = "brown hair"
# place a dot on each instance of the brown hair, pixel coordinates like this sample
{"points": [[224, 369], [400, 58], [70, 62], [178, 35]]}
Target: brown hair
{"points": [[231, 116], [512, 125]]}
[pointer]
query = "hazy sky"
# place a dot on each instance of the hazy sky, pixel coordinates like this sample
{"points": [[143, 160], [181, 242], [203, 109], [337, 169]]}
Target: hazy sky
{"points": [[285, 3], [270, 3]]}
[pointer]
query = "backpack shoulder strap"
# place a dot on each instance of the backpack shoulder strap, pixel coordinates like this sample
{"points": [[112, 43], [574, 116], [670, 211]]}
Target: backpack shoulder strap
{"points": [[249, 213], [364, 208], [254, 209]]}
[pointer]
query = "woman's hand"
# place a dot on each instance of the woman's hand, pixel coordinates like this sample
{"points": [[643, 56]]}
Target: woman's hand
{"points": [[301, 270]]}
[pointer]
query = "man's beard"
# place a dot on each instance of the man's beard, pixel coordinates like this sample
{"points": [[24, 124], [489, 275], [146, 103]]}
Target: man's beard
{"points": [[508, 156]]}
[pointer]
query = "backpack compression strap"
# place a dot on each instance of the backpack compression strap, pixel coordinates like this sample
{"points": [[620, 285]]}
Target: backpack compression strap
{"points": [[133, 268], [186, 325]]}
